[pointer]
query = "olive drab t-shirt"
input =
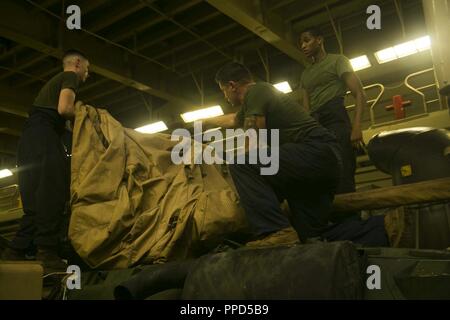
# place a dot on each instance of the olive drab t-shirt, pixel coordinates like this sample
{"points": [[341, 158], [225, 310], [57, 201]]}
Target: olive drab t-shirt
{"points": [[281, 112], [48, 97], [323, 80]]}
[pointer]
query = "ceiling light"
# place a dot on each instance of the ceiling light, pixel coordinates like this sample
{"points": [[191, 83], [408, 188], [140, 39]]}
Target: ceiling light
{"points": [[283, 87], [5, 173], [423, 43], [153, 127], [360, 63], [386, 55], [405, 49], [205, 113]]}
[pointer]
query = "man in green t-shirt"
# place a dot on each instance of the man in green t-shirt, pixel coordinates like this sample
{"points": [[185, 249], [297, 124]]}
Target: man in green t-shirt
{"points": [[309, 161], [324, 84], [44, 178]]}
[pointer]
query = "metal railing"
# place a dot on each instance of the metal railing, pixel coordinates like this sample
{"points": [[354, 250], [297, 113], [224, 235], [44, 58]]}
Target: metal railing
{"points": [[372, 102], [419, 90], [406, 82]]}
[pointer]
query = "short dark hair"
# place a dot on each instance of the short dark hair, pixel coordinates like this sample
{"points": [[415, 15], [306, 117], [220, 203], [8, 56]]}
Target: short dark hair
{"points": [[314, 31], [233, 71], [74, 52]]}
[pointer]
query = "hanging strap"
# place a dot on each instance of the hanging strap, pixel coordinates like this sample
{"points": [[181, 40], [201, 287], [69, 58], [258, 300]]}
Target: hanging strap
{"points": [[97, 126]]}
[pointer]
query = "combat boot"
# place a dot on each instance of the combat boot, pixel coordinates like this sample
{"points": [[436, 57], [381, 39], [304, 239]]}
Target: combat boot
{"points": [[286, 236]]}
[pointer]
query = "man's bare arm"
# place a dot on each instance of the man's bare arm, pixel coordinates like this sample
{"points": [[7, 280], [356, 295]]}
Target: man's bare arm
{"points": [[255, 122], [66, 104], [227, 121], [354, 85]]}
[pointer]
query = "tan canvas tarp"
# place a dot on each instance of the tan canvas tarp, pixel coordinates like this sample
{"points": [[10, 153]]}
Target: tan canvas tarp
{"points": [[131, 204]]}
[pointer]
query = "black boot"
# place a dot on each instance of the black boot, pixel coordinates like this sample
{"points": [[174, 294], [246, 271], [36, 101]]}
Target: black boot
{"points": [[10, 254], [50, 260], [13, 255]]}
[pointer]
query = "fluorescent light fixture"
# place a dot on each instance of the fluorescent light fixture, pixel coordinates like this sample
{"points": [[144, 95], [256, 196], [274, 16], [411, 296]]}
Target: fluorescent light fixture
{"points": [[153, 127], [5, 173], [360, 63], [283, 87], [386, 55], [205, 113], [423, 43], [405, 49]]}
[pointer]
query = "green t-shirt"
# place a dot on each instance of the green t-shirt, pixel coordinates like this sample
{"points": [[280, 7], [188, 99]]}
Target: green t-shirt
{"points": [[323, 80], [281, 112], [48, 97]]}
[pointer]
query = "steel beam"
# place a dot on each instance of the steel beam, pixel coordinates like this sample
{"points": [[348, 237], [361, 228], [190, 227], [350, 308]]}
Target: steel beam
{"points": [[155, 39], [141, 25], [8, 144], [86, 6], [339, 10], [22, 65], [14, 102], [267, 25], [39, 31], [91, 5], [117, 13], [11, 125]]}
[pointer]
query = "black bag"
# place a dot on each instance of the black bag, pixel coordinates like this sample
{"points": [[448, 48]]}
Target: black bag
{"points": [[317, 271], [159, 281], [155, 279]]}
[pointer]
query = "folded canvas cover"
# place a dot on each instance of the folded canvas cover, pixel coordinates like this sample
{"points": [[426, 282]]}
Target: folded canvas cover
{"points": [[131, 204]]}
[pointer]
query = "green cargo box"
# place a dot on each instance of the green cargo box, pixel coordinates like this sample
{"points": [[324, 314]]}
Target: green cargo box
{"points": [[410, 274]]}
